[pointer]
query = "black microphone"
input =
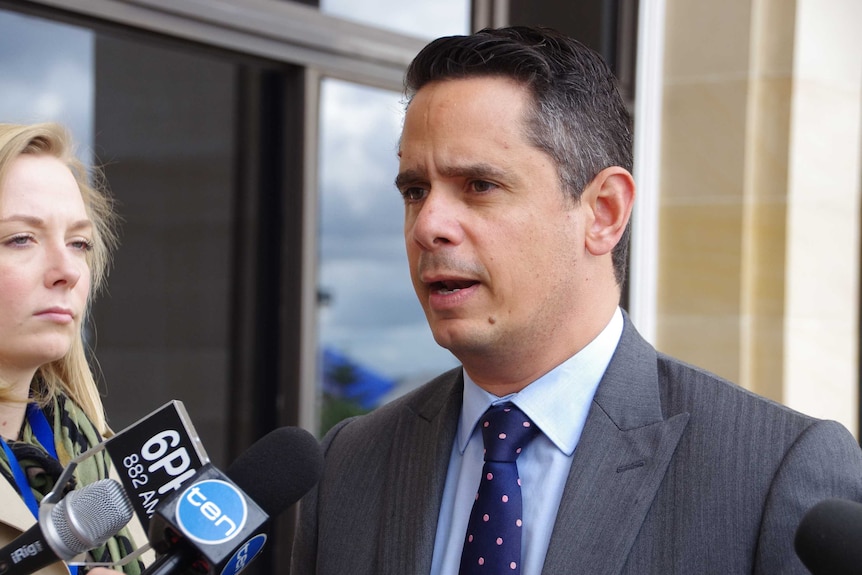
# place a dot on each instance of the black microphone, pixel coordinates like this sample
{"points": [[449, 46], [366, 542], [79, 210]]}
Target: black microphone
{"points": [[829, 538], [84, 519], [218, 522]]}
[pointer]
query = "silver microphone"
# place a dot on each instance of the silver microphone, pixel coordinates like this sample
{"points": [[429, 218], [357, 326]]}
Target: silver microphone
{"points": [[87, 517], [84, 519]]}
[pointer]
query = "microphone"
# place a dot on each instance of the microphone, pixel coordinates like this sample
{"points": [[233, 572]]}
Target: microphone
{"points": [[84, 519], [829, 538], [156, 455], [218, 522], [153, 457]]}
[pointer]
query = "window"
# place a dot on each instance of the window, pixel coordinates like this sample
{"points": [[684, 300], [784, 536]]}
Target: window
{"points": [[47, 73], [186, 137], [426, 18], [374, 341]]}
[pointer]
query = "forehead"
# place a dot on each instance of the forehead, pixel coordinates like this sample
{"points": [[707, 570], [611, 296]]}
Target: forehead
{"points": [[458, 115], [470, 97], [39, 181]]}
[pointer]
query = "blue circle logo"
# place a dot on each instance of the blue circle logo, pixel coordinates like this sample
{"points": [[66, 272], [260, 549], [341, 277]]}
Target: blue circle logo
{"points": [[212, 511], [244, 555]]}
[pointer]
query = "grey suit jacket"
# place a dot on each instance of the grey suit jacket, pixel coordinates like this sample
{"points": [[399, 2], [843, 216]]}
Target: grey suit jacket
{"points": [[677, 471]]}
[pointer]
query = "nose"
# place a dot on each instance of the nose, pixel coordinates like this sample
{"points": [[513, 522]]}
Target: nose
{"points": [[63, 267], [436, 222]]}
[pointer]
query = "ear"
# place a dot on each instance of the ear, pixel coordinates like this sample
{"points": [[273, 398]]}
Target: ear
{"points": [[608, 199]]}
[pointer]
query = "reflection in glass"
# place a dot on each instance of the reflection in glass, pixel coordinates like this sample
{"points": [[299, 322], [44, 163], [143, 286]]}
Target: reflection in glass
{"points": [[426, 19], [374, 341], [46, 74]]}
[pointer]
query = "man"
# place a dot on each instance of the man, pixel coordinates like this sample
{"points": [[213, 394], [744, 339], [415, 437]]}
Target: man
{"points": [[515, 163]]}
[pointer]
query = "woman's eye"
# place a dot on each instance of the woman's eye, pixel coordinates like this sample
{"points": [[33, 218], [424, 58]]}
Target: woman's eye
{"points": [[83, 245], [19, 240]]}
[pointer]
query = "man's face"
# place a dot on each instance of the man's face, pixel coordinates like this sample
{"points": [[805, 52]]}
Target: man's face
{"points": [[493, 243]]}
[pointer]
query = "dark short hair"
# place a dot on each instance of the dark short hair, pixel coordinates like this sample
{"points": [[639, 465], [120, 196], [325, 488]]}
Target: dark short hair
{"points": [[578, 116]]}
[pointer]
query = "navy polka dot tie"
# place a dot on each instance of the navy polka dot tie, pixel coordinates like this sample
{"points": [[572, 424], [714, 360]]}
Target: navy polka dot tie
{"points": [[493, 540]]}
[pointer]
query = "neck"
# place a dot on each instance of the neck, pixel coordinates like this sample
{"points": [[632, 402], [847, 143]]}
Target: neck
{"points": [[13, 405], [12, 415], [511, 369]]}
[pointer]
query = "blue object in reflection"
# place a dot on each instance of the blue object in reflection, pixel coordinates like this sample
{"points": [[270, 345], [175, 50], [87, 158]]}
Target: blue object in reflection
{"points": [[345, 378]]}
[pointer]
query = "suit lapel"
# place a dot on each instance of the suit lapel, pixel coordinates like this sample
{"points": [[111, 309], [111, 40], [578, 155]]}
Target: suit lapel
{"points": [[416, 476], [618, 465]]}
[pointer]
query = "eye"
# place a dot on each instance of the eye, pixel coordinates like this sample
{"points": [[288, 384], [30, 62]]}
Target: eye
{"points": [[413, 193], [82, 244], [482, 186], [19, 240]]}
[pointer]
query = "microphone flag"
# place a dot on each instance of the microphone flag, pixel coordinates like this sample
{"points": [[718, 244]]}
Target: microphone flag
{"points": [[155, 456]]}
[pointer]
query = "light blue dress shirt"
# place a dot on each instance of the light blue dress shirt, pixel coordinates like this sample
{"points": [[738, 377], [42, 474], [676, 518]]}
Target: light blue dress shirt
{"points": [[558, 403]]}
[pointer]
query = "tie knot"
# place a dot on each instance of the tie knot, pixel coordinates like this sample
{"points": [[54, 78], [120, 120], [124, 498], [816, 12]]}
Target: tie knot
{"points": [[505, 431]]}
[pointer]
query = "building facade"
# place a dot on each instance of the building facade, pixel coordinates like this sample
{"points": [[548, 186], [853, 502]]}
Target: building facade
{"points": [[250, 145]]}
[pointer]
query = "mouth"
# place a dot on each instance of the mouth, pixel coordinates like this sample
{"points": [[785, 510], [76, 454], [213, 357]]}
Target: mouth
{"points": [[446, 287], [57, 312]]}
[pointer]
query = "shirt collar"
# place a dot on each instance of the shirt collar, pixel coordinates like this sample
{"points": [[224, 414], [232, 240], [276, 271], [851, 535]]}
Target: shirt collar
{"points": [[559, 401]]}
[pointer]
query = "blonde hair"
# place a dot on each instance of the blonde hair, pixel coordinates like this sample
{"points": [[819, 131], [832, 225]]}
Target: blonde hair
{"points": [[72, 373]]}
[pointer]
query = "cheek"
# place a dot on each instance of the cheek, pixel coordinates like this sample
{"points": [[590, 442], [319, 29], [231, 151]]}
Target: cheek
{"points": [[412, 255], [412, 267], [13, 284], [551, 254], [82, 288]]}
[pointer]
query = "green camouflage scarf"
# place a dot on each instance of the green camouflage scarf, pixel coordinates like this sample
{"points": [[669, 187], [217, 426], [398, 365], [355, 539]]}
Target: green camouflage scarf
{"points": [[73, 435]]}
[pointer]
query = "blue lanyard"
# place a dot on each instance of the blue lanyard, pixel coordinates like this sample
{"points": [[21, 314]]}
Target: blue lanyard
{"points": [[45, 435]]}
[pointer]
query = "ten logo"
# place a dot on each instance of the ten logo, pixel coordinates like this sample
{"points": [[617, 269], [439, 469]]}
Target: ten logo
{"points": [[244, 555], [211, 511]]}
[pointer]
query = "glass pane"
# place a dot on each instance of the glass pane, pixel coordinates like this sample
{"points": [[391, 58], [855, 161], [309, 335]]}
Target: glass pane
{"points": [[374, 341], [169, 144], [426, 18], [161, 120], [47, 74]]}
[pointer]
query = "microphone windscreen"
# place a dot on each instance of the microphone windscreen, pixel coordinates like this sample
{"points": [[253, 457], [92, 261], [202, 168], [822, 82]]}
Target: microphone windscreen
{"points": [[89, 516], [829, 538], [279, 468]]}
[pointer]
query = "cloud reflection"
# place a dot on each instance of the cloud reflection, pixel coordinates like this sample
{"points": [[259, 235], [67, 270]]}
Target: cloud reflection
{"points": [[373, 314], [46, 74]]}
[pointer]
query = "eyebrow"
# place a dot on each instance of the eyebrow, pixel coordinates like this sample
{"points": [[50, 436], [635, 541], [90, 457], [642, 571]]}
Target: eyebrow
{"points": [[471, 171], [39, 222], [409, 177]]}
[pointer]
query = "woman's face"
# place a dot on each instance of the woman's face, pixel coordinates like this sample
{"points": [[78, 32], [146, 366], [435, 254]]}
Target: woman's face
{"points": [[45, 235]]}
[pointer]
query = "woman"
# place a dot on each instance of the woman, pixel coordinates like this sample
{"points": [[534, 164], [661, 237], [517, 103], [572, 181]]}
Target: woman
{"points": [[56, 236]]}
